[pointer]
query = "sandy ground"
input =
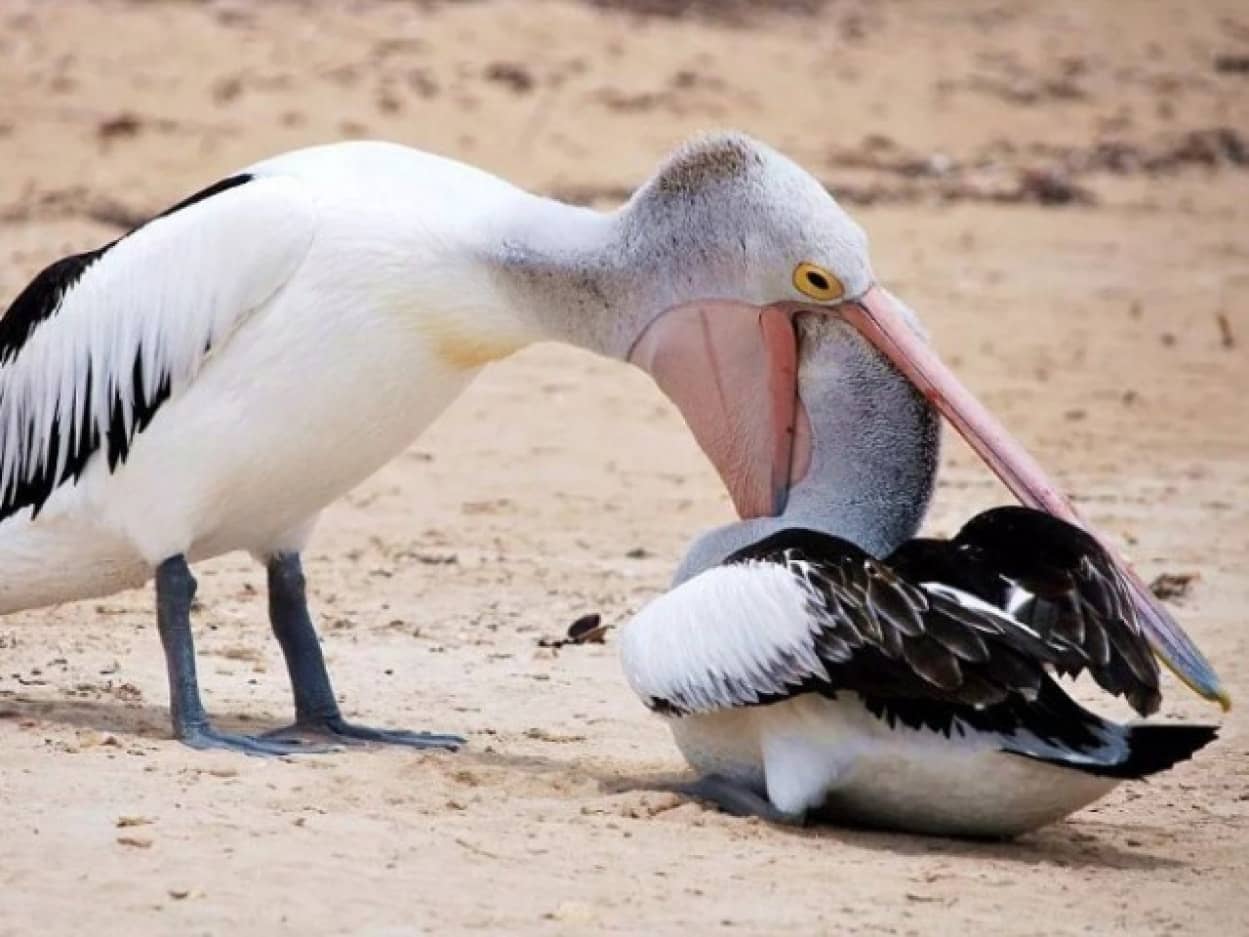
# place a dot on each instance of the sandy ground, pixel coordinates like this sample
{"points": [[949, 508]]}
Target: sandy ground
{"points": [[1052, 190]]}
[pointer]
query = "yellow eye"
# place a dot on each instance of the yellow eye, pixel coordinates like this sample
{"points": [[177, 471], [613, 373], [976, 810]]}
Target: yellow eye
{"points": [[817, 283]]}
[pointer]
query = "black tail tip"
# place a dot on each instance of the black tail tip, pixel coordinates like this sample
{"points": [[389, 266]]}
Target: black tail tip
{"points": [[1153, 747]]}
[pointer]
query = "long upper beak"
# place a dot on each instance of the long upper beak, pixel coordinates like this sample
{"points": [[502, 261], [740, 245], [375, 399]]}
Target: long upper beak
{"points": [[877, 317]]}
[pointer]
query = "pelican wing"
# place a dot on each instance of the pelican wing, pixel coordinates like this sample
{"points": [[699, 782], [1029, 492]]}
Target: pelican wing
{"points": [[1057, 580], [804, 612], [99, 341]]}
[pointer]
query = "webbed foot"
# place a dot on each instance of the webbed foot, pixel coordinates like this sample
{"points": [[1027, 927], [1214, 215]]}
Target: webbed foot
{"points": [[205, 737], [738, 800], [337, 730]]}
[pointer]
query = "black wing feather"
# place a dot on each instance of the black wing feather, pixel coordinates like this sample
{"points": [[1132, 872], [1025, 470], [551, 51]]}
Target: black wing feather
{"points": [[40, 301], [1076, 584], [898, 645], [1080, 604]]}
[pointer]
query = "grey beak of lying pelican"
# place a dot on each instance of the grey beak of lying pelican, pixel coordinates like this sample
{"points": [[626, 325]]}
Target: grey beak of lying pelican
{"points": [[732, 369]]}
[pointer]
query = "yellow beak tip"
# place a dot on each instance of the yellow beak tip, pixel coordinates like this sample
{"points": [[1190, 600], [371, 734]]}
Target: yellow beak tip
{"points": [[1218, 694]]}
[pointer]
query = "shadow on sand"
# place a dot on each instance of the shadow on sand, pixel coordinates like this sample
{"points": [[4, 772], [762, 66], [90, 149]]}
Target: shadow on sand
{"points": [[1061, 844], [145, 720]]}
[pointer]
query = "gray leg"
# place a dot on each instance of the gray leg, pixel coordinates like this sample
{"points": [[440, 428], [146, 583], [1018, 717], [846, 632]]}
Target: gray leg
{"points": [[737, 799], [175, 588], [316, 711]]}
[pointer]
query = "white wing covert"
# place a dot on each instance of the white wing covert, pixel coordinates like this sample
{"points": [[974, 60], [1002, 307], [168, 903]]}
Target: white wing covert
{"points": [[731, 636]]}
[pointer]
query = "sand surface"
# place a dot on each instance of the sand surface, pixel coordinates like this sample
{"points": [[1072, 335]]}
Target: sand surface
{"points": [[1064, 196]]}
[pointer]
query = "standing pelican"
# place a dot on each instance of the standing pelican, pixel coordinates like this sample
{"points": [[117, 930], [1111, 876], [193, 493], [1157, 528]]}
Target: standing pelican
{"points": [[212, 380]]}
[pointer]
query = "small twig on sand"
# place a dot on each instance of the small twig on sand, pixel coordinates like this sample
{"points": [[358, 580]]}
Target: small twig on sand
{"points": [[1225, 330], [476, 850]]}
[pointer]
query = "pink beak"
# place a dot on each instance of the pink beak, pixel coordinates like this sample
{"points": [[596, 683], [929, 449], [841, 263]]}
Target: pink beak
{"points": [[732, 369]]}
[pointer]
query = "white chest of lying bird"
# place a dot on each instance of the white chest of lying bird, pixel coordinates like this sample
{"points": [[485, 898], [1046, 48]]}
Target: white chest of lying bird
{"points": [[214, 379], [804, 677]]}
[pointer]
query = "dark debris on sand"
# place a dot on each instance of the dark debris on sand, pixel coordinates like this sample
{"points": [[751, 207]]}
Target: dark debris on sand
{"points": [[588, 629], [734, 12], [1173, 586]]}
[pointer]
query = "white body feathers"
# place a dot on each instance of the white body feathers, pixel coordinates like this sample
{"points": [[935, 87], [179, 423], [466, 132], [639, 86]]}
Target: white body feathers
{"points": [[831, 756]]}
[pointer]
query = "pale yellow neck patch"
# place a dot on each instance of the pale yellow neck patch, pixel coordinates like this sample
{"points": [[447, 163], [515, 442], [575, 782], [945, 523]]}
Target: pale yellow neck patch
{"points": [[465, 346]]}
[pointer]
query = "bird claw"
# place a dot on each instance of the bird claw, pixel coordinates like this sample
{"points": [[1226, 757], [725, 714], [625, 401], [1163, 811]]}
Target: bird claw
{"points": [[337, 730], [203, 738]]}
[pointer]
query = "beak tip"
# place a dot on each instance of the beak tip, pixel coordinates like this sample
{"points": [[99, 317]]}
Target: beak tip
{"points": [[1203, 681]]}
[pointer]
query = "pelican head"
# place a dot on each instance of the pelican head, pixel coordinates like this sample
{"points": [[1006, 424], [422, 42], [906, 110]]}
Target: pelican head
{"points": [[747, 293]]}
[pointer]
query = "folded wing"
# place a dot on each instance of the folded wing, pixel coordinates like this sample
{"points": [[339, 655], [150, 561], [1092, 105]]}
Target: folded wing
{"points": [[1055, 579], [804, 612], [99, 341]]}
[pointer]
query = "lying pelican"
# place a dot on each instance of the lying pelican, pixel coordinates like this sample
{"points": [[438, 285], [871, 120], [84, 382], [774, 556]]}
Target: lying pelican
{"points": [[804, 676], [212, 380]]}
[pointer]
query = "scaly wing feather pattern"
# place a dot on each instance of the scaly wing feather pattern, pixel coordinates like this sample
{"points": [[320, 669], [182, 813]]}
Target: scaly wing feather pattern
{"points": [[1056, 579], [804, 612]]}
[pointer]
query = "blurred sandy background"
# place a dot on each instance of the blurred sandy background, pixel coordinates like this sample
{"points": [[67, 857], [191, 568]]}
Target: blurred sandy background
{"points": [[1062, 189]]}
